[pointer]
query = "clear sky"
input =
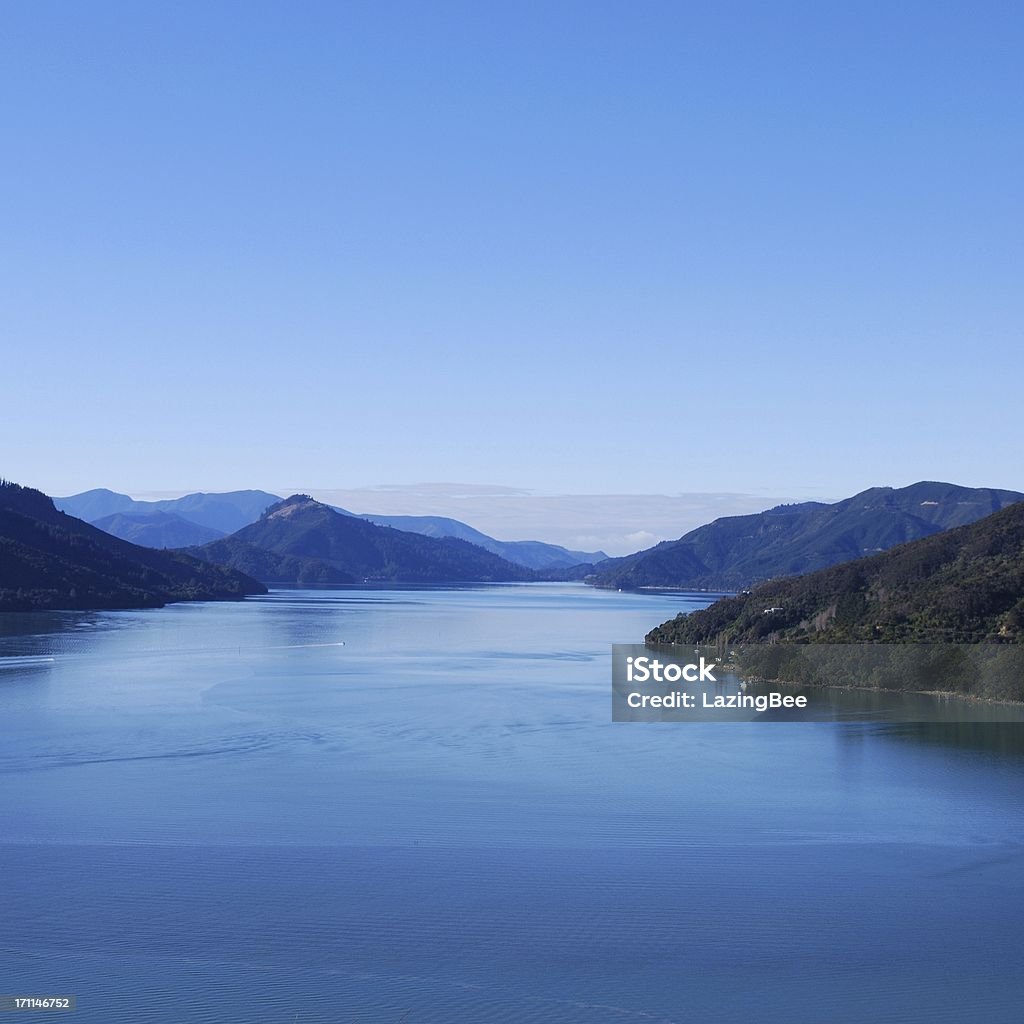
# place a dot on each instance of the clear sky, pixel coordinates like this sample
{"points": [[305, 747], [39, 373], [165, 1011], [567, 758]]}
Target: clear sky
{"points": [[578, 248]]}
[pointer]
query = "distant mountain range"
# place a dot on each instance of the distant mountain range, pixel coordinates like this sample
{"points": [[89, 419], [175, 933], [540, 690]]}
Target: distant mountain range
{"points": [[534, 554], [223, 513], [964, 585], [318, 540], [300, 540], [220, 514], [740, 551], [52, 560], [156, 529]]}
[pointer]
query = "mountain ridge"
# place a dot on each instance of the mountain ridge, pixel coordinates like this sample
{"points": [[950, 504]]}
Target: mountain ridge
{"points": [[737, 552], [228, 511], [157, 529], [964, 585], [224, 511], [49, 559], [534, 554], [310, 531]]}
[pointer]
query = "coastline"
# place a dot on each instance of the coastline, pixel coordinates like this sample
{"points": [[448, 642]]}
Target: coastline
{"points": [[938, 694]]}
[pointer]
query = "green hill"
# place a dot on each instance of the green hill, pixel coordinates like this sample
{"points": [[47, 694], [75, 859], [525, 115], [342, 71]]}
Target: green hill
{"points": [[961, 586], [314, 534], [740, 551], [271, 567], [533, 554], [51, 560]]}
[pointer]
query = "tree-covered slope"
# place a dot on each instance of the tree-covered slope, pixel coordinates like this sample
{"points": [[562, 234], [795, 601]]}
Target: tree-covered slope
{"points": [[51, 560], [962, 585], [304, 529], [156, 529], [148, 523], [533, 554], [269, 566], [740, 551]]}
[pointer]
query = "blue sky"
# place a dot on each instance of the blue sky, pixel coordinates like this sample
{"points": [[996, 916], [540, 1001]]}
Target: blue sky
{"points": [[644, 248]]}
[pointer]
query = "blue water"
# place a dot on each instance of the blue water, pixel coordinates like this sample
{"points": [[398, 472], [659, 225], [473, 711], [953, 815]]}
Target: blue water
{"points": [[215, 813]]}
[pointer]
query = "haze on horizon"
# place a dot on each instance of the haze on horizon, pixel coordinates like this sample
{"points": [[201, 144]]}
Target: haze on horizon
{"points": [[577, 250], [617, 524]]}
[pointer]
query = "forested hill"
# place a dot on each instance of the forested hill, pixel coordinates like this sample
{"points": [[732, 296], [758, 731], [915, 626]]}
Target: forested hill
{"points": [[201, 517], [963, 585], [156, 530], [312, 534], [51, 560], [740, 551], [533, 554]]}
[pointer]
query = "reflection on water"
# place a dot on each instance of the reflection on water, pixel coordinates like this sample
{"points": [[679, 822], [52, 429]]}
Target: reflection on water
{"points": [[1005, 739], [214, 813]]}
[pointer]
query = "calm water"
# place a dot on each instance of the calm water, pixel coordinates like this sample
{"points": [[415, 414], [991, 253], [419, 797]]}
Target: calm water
{"points": [[211, 813]]}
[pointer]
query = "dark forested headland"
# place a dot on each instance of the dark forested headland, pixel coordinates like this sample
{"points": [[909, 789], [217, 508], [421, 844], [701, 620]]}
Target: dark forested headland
{"points": [[961, 586], [52, 560], [945, 613]]}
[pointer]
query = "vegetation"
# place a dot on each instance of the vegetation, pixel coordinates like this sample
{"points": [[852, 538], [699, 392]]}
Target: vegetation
{"points": [[961, 586], [52, 560], [269, 566], [319, 539], [989, 671], [156, 529], [741, 551], [200, 518], [533, 554], [917, 614]]}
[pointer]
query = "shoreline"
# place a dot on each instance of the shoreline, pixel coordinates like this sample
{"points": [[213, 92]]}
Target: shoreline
{"points": [[943, 694]]}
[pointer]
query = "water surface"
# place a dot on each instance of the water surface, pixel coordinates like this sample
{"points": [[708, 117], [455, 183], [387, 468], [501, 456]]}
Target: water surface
{"points": [[214, 813]]}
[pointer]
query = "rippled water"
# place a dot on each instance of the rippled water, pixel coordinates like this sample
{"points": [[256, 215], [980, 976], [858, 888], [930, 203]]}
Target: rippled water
{"points": [[215, 813]]}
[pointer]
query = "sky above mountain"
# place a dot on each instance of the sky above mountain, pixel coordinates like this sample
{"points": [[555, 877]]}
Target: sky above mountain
{"points": [[574, 249]]}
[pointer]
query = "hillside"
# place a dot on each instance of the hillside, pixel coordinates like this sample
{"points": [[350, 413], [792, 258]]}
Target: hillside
{"points": [[740, 551], [51, 560], [220, 514], [304, 529], [269, 566], [534, 554], [963, 586], [156, 529]]}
